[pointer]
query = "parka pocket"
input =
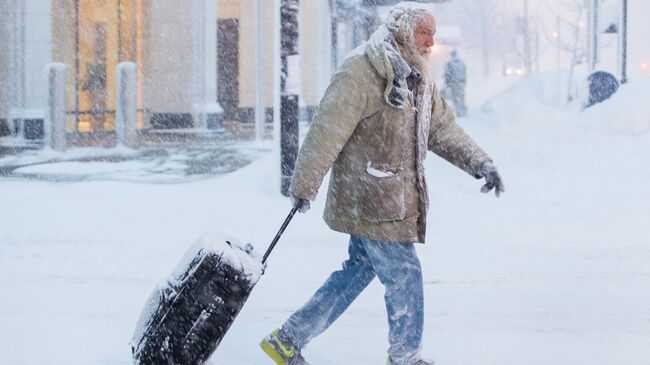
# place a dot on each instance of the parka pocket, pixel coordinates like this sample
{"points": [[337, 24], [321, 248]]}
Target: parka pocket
{"points": [[383, 198]]}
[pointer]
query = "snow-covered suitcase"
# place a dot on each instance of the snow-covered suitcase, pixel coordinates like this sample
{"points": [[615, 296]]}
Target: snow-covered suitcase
{"points": [[185, 318]]}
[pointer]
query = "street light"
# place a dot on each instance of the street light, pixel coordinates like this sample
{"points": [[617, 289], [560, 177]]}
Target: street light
{"points": [[623, 43]]}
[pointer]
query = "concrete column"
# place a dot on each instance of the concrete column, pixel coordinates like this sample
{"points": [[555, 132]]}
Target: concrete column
{"points": [[197, 59], [212, 109], [16, 57], [204, 62], [54, 130], [126, 108], [5, 57], [210, 54]]}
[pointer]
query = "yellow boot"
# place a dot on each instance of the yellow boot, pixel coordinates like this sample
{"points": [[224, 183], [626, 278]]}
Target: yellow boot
{"points": [[280, 351]]}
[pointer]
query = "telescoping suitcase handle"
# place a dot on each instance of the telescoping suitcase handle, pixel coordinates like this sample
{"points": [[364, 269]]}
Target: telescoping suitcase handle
{"points": [[277, 236]]}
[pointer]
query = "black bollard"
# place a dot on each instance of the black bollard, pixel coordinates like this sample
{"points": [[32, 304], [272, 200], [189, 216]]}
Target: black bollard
{"points": [[288, 139], [288, 98]]}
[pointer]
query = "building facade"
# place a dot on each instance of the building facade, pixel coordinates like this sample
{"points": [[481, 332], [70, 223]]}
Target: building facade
{"points": [[193, 58]]}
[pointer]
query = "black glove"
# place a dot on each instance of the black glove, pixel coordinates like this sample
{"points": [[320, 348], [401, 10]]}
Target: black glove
{"points": [[492, 179], [300, 203]]}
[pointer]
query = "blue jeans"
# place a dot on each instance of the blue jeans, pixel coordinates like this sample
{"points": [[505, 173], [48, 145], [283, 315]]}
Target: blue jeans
{"points": [[398, 268]]}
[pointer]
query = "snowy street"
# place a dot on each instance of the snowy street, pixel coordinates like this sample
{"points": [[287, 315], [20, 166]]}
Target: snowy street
{"points": [[553, 272]]}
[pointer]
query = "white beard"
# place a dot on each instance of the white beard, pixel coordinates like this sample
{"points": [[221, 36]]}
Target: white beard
{"points": [[420, 58]]}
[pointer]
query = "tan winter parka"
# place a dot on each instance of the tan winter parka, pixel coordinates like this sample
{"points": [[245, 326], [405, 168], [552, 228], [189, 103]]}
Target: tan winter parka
{"points": [[377, 188]]}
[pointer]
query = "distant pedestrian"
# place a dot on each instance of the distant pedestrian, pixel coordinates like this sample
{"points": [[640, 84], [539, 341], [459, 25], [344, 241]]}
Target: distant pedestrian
{"points": [[455, 81]]}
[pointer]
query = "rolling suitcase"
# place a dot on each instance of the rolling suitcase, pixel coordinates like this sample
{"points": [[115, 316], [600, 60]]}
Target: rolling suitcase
{"points": [[185, 319]]}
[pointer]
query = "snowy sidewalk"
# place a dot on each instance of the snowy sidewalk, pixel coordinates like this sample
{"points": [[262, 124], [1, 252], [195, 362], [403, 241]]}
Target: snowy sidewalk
{"points": [[554, 272], [153, 164]]}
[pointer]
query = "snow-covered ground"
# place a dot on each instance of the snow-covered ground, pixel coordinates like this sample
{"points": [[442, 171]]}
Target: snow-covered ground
{"points": [[556, 271], [150, 164]]}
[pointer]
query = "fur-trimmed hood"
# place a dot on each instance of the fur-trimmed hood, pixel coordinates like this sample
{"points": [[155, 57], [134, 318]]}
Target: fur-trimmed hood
{"points": [[383, 52]]}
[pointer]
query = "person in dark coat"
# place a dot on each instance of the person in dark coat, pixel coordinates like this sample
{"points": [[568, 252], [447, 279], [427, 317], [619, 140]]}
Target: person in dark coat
{"points": [[455, 80]]}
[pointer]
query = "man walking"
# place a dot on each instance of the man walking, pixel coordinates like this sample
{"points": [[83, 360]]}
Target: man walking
{"points": [[455, 81], [379, 116]]}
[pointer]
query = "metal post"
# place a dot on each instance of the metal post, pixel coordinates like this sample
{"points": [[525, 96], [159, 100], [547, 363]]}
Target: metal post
{"points": [[126, 113], [528, 62], [623, 43], [557, 58], [54, 126], [289, 99], [289, 139], [593, 35]]}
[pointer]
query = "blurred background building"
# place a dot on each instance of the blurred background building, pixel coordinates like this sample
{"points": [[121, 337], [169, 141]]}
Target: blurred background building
{"points": [[191, 57], [196, 59]]}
